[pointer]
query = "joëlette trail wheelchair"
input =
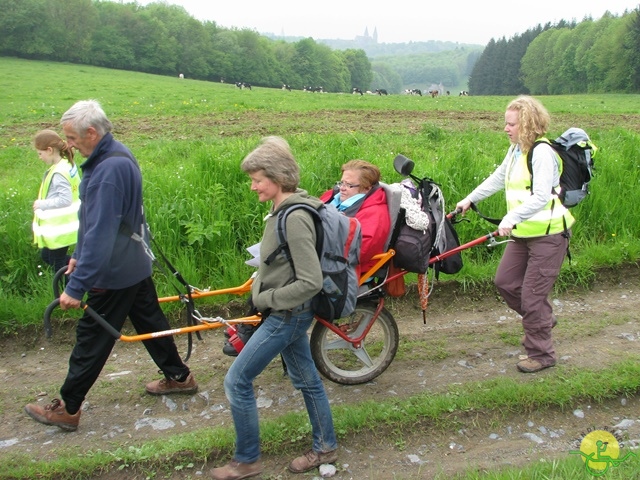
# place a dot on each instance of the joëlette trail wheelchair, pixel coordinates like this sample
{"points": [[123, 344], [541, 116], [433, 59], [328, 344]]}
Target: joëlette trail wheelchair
{"points": [[349, 351]]}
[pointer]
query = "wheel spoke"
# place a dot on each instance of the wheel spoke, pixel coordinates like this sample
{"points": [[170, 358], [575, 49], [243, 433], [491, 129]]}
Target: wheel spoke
{"points": [[337, 344], [363, 356]]}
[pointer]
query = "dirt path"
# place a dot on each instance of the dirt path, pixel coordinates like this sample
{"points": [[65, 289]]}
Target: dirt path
{"points": [[468, 337]]}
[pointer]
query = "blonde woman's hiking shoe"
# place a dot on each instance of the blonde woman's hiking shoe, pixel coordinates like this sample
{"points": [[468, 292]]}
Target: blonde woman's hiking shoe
{"points": [[529, 365], [311, 460], [54, 413], [235, 470]]}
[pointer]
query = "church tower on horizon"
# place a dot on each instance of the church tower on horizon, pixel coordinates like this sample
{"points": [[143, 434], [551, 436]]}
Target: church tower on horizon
{"points": [[367, 39]]}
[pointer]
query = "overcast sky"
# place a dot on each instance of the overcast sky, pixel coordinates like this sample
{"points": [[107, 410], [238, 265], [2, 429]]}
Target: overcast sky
{"points": [[397, 21]]}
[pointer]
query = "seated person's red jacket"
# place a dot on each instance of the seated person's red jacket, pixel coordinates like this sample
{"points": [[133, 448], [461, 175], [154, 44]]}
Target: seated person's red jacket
{"points": [[373, 214]]}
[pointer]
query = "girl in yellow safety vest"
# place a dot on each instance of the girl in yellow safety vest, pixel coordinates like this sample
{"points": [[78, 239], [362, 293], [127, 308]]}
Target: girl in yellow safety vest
{"points": [[55, 220], [538, 224]]}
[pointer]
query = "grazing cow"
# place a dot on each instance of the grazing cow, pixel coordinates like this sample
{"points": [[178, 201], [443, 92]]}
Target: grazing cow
{"points": [[433, 93], [181, 76], [356, 90], [242, 85], [307, 88], [448, 93], [463, 93], [381, 91], [416, 91], [286, 87]]}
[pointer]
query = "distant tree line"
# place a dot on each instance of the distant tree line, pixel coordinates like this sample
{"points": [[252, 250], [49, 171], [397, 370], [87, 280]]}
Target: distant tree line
{"points": [[448, 68], [590, 56], [164, 39], [587, 57], [398, 66]]}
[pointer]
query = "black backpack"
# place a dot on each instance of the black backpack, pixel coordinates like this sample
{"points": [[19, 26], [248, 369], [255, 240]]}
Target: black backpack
{"points": [[576, 150], [441, 237]]}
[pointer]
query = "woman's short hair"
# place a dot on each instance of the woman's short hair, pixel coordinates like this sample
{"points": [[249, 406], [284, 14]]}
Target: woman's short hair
{"points": [[274, 158], [85, 114], [369, 173], [533, 120]]}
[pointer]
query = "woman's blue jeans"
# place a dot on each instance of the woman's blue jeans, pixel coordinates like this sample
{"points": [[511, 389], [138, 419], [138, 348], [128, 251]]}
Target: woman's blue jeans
{"points": [[280, 333]]}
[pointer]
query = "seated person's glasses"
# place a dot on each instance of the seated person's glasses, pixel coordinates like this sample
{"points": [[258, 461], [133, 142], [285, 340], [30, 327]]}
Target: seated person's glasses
{"points": [[341, 184]]}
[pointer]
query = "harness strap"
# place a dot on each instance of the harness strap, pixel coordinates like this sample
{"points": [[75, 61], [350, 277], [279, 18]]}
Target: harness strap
{"points": [[173, 272], [495, 221]]}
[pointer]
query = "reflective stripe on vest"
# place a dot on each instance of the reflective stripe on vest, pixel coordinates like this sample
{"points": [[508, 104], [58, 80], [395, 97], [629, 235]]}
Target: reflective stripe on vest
{"points": [[547, 221], [58, 227]]}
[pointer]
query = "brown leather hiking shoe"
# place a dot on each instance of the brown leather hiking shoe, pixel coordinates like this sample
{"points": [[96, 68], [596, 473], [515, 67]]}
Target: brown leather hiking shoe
{"points": [[311, 460], [165, 387], [529, 365], [235, 470], [54, 413]]}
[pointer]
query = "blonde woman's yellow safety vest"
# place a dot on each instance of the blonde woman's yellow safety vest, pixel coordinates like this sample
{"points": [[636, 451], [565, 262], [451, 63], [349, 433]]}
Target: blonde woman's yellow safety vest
{"points": [[58, 227], [552, 219]]}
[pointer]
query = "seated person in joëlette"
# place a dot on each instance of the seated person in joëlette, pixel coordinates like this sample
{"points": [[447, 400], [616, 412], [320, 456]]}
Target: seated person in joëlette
{"points": [[359, 194]]}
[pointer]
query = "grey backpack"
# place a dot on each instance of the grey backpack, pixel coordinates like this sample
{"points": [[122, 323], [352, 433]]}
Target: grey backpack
{"points": [[338, 243]]}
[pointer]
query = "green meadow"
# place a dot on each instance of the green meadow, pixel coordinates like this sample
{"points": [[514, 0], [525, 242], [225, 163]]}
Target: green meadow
{"points": [[190, 137]]}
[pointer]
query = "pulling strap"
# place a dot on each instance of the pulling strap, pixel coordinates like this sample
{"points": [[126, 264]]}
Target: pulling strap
{"points": [[495, 221], [171, 272]]}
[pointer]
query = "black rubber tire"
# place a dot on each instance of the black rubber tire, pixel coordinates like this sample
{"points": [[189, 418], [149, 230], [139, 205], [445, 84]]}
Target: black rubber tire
{"points": [[340, 362]]}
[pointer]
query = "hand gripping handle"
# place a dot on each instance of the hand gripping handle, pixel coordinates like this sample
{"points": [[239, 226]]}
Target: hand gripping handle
{"points": [[92, 313]]}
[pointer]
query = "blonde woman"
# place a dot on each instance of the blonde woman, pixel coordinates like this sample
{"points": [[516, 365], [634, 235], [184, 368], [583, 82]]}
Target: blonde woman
{"points": [[538, 224]]}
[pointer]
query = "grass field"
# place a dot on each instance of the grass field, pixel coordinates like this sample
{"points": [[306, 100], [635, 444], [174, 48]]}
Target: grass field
{"points": [[190, 136]]}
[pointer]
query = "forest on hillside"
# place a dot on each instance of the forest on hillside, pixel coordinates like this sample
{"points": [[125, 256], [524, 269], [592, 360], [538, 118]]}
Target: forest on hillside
{"points": [[600, 56], [160, 38], [164, 39]]}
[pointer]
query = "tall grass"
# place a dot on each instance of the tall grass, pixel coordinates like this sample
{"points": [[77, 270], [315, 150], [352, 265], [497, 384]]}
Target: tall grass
{"points": [[191, 136]]}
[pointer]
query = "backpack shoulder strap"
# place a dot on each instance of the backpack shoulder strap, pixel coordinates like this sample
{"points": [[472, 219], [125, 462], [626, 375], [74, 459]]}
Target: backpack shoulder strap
{"points": [[281, 231], [530, 157]]}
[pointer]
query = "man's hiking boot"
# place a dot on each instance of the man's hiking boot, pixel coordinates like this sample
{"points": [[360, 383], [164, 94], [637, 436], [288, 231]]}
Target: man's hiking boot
{"points": [[166, 387], [311, 460], [235, 470], [54, 413]]}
